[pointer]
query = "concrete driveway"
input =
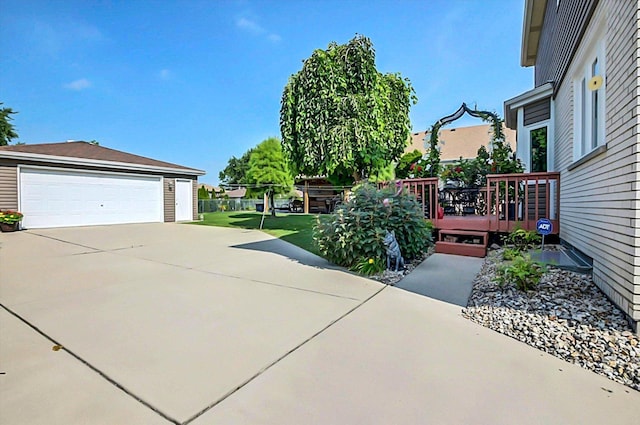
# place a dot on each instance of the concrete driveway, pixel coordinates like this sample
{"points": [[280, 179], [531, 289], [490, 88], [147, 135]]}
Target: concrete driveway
{"points": [[167, 323]]}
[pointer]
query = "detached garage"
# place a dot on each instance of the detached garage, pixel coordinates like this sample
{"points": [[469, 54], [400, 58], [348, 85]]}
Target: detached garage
{"points": [[82, 184]]}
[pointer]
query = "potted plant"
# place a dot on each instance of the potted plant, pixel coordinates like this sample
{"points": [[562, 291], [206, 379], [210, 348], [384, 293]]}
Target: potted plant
{"points": [[9, 220]]}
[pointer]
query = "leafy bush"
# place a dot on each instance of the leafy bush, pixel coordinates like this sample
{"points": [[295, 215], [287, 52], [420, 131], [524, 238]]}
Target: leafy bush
{"points": [[522, 239], [369, 266], [510, 254], [356, 228], [523, 273]]}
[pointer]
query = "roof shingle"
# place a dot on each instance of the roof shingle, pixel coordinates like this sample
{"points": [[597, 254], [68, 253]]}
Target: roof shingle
{"points": [[86, 150]]}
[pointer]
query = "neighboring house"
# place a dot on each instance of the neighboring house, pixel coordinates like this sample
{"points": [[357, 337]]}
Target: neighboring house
{"points": [[81, 184], [583, 111], [213, 191], [459, 142], [237, 193]]}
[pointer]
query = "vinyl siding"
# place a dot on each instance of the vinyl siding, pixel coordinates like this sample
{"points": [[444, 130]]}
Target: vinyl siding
{"points": [[169, 199], [600, 199], [562, 30], [194, 182], [8, 187], [536, 112]]}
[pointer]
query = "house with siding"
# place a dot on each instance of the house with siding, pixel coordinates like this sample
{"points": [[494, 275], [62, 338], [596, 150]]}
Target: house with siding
{"points": [[581, 119]]}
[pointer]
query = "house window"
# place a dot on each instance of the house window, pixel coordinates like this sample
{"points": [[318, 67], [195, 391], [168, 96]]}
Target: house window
{"points": [[589, 104], [538, 152]]}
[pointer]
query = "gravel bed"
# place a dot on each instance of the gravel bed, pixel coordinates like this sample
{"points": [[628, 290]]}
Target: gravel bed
{"points": [[566, 316], [390, 277]]}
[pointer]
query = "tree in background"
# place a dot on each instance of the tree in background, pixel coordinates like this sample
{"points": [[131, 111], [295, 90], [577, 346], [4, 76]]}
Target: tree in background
{"points": [[7, 131], [236, 169], [268, 171], [341, 118], [203, 193]]}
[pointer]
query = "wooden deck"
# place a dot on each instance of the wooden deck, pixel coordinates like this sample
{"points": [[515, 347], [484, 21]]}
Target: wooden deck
{"points": [[507, 202]]}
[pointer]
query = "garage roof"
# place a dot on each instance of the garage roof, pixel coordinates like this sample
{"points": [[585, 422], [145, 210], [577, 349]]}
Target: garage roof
{"points": [[83, 153]]}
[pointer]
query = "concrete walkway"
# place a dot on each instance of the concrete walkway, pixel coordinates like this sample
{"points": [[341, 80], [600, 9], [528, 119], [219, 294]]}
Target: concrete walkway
{"points": [[179, 324], [444, 277]]}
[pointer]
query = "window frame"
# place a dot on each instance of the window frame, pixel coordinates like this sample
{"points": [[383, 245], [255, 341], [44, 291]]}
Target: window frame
{"points": [[589, 121]]}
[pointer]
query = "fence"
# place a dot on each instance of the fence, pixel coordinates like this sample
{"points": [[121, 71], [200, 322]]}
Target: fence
{"points": [[214, 205]]}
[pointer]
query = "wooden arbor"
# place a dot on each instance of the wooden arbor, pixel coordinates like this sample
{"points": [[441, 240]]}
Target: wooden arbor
{"points": [[465, 217]]}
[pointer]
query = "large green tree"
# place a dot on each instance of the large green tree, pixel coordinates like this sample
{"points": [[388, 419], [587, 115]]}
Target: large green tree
{"points": [[342, 118], [236, 170], [268, 171], [7, 131]]}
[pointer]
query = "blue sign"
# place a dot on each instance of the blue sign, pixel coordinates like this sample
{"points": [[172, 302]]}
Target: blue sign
{"points": [[544, 226]]}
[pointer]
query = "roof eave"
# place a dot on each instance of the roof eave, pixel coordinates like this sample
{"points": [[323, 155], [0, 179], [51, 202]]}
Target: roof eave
{"points": [[65, 160], [511, 106], [532, 27]]}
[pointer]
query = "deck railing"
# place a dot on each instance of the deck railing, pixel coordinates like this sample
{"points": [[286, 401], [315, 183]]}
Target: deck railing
{"points": [[522, 199], [508, 200]]}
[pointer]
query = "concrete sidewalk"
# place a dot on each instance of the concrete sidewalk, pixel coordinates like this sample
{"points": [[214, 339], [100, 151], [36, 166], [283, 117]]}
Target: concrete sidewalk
{"points": [[178, 324], [444, 277]]}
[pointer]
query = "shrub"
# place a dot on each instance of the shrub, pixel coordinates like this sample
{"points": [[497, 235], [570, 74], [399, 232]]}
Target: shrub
{"points": [[522, 239], [510, 254], [523, 273], [356, 229]]}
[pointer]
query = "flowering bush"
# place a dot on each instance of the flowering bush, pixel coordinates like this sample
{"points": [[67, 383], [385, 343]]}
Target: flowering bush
{"points": [[420, 168], [355, 231], [10, 217], [369, 266]]}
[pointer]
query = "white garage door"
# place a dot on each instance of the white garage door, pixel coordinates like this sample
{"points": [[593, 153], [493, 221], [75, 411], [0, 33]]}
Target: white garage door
{"points": [[57, 198]]}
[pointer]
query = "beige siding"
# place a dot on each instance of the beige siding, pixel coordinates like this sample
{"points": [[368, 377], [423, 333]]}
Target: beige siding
{"points": [[169, 199], [600, 199], [194, 182], [8, 187]]}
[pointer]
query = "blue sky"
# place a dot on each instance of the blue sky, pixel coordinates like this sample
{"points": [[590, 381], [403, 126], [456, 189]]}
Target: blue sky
{"points": [[196, 82]]}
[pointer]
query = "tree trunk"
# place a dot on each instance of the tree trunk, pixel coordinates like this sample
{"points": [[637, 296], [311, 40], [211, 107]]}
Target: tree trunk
{"points": [[273, 203]]}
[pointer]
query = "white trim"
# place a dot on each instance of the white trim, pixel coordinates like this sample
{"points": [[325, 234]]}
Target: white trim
{"points": [[96, 163], [526, 158], [595, 51], [551, 138], [524, 99], [539, 93]]}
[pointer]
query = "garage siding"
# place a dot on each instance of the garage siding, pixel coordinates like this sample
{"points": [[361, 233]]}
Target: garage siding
{"points": [[169, 200], [8, 187], [195, 198]]}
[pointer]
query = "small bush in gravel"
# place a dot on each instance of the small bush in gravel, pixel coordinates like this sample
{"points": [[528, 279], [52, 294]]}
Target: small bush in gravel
{"points": [[523, 273], [522, 239], [356, 229], [510, 254], [369, 266]]}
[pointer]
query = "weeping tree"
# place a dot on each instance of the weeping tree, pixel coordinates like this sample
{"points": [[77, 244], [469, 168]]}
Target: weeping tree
{"points": [[268, 171], [343, 119]]}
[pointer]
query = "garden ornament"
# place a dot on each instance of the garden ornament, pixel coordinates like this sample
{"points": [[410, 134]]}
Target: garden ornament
{"points": [[393, 250]]}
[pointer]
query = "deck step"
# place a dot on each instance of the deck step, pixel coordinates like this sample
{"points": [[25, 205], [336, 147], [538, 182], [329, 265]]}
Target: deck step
{"points": [[463, 242]]}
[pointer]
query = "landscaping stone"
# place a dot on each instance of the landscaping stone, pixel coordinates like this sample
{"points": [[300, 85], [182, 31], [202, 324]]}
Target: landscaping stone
{"points": [[566, 316], [390, 277]]}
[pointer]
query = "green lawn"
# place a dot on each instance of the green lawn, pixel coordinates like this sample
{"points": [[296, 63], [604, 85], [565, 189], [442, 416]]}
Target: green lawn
{"points": [[293, 228]]}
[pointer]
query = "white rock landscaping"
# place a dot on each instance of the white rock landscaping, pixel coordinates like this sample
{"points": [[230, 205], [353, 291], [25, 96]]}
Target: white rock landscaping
{"points": [[566, 316]]}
